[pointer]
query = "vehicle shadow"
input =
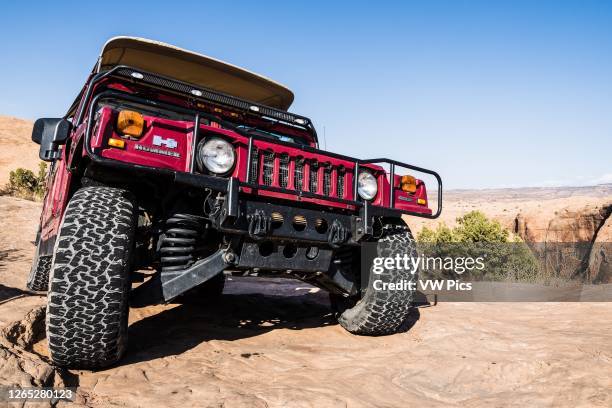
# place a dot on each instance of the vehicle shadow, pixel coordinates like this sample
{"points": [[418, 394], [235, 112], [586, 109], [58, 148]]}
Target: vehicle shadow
{"points": [[232, 316], [8, 293], [229, 317]]}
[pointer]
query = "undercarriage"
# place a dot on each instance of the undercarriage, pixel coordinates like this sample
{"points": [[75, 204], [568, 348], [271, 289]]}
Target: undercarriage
{"points": [[190, 247]]}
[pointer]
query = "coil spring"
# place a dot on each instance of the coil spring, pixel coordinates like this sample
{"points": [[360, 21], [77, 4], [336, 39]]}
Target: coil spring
{"points": [[178, 242]]}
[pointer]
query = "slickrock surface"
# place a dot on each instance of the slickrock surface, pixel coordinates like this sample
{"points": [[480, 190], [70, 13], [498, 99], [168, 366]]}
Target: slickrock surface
{"points": [[275, 344]]}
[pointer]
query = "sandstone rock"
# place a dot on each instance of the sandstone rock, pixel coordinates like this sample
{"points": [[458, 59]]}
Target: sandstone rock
{"points": [[20, 367], [28, 331], [565, 242], [600, 260]]}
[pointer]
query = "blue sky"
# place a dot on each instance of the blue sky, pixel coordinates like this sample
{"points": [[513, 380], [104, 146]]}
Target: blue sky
{"points": [[490, 94]]}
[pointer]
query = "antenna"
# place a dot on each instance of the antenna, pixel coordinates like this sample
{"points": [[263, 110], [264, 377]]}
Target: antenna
{"points": [[324, 139]]}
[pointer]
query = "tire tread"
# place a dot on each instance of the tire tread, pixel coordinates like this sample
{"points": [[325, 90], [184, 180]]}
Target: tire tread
{"points": [[384, 312], [87, 306]]}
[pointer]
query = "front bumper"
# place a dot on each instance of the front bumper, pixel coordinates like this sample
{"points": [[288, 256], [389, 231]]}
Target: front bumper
{"points": [[264, 220]]}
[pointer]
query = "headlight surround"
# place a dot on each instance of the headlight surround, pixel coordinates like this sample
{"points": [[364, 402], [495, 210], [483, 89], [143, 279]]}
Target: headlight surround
{"points": [[216, 155], [367, 186]]}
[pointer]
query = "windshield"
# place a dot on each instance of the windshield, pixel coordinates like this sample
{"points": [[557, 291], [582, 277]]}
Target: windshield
{"points": [[273, 135]]}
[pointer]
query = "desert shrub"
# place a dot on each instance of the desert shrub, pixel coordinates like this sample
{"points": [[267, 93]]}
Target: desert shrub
{"points": [[472, 227], [23, 183], [506, 256]]}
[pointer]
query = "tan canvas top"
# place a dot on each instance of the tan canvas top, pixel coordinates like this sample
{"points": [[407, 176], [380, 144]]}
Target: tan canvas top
{"points": [[167, 60]]}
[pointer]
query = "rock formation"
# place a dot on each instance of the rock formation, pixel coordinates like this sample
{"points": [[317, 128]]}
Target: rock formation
{"points": [[572, 243]]}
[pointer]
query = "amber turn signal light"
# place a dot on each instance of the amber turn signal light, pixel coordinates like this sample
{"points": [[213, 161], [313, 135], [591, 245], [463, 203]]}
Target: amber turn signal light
{"points": [[116, 143], [130, 123], [408, 184]]}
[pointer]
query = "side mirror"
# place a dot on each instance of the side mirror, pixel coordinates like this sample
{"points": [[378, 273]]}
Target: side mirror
{"points": [[50, 134]]}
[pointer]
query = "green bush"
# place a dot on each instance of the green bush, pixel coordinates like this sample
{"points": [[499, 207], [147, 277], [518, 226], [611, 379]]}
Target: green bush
{"points": [[506, 257], [472, 227], [23, 183]]}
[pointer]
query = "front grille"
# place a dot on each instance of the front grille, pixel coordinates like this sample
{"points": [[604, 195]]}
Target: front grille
{"points": [[262, 170]]}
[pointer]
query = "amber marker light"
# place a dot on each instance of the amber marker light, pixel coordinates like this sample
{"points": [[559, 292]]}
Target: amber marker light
{"points": [[116, 143], [130, 123], [408, 184]]}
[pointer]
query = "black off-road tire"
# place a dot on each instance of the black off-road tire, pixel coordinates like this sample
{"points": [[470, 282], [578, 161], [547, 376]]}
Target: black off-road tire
{"points": [[381, 312], [38, 280], [87, 309]]}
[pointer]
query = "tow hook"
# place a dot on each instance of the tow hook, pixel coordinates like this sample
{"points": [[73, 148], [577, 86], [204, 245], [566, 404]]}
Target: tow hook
{"points": [[259, 224], [338, 234]]}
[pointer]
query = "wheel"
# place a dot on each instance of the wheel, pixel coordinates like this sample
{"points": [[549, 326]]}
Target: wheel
{"points": [[87, 308], [381, 312], [38, 280]]}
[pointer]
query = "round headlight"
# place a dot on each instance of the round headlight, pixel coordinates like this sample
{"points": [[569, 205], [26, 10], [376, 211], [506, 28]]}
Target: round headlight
{"points": [[367, 186], [216, 155]]}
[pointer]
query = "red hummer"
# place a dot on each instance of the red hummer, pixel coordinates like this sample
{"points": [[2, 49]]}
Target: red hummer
{"points": [[189, 168]]}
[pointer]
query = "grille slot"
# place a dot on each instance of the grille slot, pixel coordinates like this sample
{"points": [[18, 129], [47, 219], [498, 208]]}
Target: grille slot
{"points": [[314, 177], [327, 180], [340, 183], [253, 176], [268, 168], [298, 176], [283, 179]]}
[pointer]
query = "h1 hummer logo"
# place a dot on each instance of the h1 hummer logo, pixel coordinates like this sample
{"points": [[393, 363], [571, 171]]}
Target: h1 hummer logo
{"points": [[160, 141]]}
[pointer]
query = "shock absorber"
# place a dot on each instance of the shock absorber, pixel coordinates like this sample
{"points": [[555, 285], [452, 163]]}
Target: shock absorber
{"points": [[177, 243]]}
